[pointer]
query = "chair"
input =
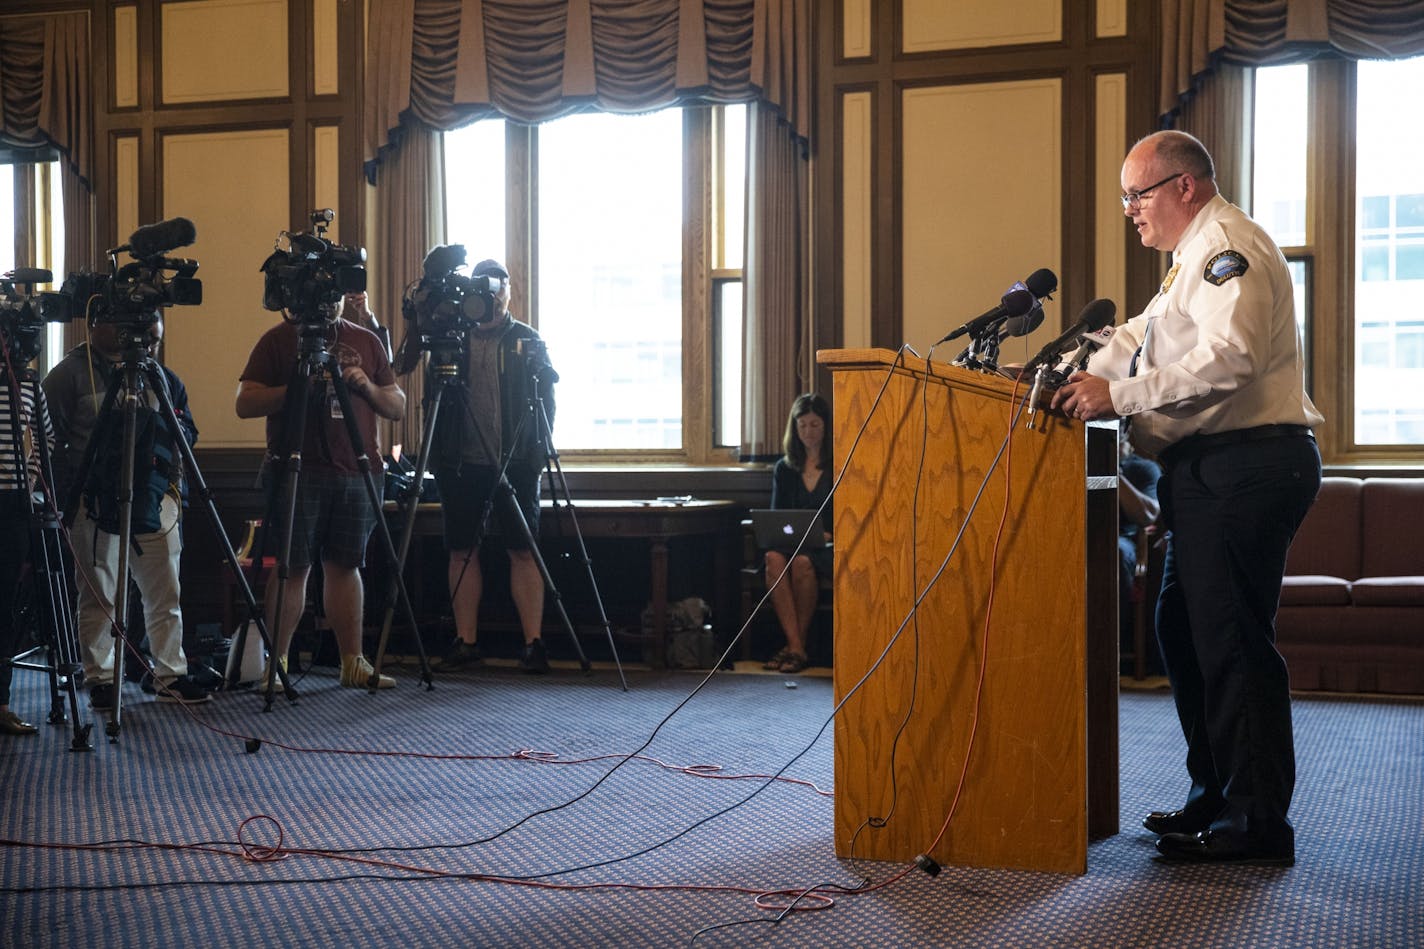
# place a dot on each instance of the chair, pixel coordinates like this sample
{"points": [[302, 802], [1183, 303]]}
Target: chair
{"points": [[1146, 583], [753, 588]]}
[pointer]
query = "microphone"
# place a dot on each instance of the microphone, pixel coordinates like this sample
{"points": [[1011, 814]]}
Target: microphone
{"points": [[1094, 317], [1016, 302], [1022, 325], [442, 259], [29, 275], [151, 240], [1088, 344]]}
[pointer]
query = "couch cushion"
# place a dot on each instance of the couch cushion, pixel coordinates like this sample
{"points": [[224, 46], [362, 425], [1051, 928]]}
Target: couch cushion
{"points": [[1315, 590], [1328, 542], [1393, 518], [1390, 591]]}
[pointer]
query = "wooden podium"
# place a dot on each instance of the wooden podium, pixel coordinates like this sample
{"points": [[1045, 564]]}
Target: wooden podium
{"points": [[1041, 731]]}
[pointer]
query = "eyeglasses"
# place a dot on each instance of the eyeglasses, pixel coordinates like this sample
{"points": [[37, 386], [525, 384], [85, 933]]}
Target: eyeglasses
{"points": [[1133, 199]]}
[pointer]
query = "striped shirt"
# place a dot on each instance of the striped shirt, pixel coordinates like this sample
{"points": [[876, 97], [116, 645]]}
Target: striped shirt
{"points": [[22, 438]]}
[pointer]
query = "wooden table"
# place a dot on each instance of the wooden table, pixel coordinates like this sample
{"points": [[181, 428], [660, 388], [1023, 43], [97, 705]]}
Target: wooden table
{"points": [[656, 522]]}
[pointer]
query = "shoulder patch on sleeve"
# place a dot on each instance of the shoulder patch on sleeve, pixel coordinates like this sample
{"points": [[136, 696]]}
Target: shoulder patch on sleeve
{"points": [[1224, 266]]}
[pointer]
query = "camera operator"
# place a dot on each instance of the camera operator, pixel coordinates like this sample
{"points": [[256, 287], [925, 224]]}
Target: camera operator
{"points": [[471, 441], [334, 515], [15, 488], [75, 389], [356, 307]]}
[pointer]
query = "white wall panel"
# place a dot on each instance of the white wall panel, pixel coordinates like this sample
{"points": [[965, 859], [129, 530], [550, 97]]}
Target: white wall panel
{"points": [[931, 25], [857, 221], [125, 193], [224, 49], [857, 39], [237, 224], [1110, 145], [982, 173], [1112, 18], [126, 57], [326, 77]]}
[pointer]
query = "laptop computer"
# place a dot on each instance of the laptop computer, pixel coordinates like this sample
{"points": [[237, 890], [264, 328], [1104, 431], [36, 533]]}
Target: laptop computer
{"points": [[783, 529]]}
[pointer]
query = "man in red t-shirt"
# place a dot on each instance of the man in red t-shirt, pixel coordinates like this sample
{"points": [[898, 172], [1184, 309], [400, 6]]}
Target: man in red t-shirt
{"points": [[334, 515]]}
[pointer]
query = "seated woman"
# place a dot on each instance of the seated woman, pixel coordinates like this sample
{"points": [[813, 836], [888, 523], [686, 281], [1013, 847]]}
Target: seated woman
{"points": [[801, 479]]}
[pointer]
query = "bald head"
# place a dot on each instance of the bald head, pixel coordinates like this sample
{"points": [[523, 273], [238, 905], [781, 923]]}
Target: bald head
{"points": [[1170, 177]]}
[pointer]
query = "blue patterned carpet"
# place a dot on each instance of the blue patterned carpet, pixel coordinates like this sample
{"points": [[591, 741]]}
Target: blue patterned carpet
{"points": [[608, 867]]}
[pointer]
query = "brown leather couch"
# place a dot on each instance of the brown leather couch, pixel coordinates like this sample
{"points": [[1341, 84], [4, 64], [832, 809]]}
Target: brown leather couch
{"points": [[1352, 607]]}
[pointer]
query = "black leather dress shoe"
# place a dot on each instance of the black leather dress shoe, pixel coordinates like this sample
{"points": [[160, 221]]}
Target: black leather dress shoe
{"points": [[1175, 822], [1217, 847]]}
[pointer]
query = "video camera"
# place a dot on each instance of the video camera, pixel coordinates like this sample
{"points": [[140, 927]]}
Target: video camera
{"points": [[444, 302], [135, 292], [24, 314], [308, 278]]}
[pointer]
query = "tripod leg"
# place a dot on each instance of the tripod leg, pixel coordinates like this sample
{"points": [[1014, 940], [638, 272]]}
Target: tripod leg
{"points": [[427, 441], [363, 461], [560, 487], [517, 516], [199, 487], [58, 620], [286, 490], [125, 538]]}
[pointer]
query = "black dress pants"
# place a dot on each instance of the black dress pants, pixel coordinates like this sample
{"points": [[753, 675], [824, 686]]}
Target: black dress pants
{"points": [[1232, 512]]}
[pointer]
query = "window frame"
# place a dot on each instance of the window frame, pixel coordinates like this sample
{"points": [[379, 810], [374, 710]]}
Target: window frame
{"points": [[703, 243], [1329, 257]]}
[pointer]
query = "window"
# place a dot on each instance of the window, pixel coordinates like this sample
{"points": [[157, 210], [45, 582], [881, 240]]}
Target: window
{"points": [[1354, 236], [630, 230], [32, 231]]}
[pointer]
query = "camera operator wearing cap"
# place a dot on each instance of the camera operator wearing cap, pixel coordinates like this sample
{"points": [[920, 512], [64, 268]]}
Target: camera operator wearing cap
{"points": [[506, 359], [334, 515]]}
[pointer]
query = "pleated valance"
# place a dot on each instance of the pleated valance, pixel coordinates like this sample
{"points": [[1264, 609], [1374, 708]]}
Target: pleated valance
{"points": [[446, 63], [1199, 34], [44, 86]]}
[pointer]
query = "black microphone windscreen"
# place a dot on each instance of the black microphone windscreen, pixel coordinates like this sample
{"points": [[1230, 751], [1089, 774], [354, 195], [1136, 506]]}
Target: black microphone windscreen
{"points": [[443, 258], [1017, 302], [1042, 282], [29, 275], [1097, 314], [1024, 324], [152, 240]]}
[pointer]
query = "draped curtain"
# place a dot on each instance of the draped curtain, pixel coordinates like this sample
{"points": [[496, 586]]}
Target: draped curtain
{"points": [[44, 100], [411, 223], [441, 64], [778, 357], [1199, 35]]}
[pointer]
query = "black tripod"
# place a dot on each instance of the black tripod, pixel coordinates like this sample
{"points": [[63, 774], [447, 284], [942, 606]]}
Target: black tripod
{"points": [[54, 622], [447, 375], [314, 359], [135, 374]]}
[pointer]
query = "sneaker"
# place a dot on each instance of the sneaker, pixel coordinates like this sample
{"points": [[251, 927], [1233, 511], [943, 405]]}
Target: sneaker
{"points": [[101, 696], [356, 673], [183, 691], [535, 660], [462, 654]]}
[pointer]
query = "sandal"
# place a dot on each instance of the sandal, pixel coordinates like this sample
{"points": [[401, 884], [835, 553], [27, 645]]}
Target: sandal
{"points": [[794, 662], [774, 663]]}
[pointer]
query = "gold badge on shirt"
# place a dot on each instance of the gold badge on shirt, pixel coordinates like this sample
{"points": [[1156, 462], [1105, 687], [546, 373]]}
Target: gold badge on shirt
{"points": [[1171, 275]]}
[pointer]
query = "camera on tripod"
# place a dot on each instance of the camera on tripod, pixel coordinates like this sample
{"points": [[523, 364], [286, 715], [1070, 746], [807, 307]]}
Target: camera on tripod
{"points": [[443, 303], [310, 276], [24, 314], [135, 292]]}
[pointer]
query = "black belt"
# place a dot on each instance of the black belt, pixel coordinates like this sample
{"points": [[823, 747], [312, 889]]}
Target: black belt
{"points": [[1194, 446]]}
